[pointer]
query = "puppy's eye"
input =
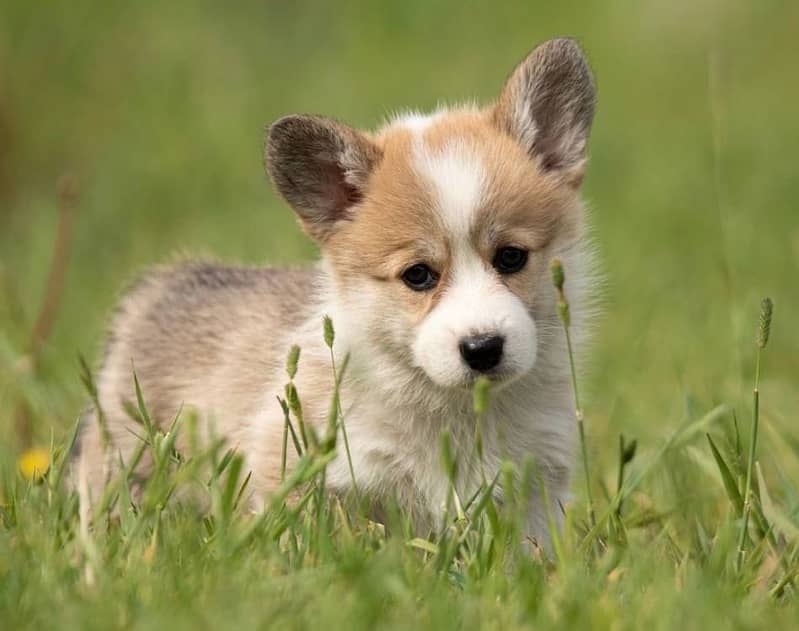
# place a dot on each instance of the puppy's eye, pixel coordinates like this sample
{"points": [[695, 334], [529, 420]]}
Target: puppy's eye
{"points": [[509, 260], [420, 277]]}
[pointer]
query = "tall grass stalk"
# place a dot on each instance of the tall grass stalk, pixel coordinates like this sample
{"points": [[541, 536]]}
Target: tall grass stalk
{"points": [[764, 329], [558, 280], [480, 393], [330, 337], [292, 362]]}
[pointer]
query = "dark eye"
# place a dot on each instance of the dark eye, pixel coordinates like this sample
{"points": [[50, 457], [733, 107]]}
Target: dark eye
{"points": [[419, 277], [509, 260]]}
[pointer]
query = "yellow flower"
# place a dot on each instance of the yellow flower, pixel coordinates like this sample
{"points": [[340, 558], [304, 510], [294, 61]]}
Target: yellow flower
{"points": [[34, 463]]}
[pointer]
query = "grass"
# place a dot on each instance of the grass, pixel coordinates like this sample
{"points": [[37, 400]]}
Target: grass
{"points": [[155, 560], [158, 110]]}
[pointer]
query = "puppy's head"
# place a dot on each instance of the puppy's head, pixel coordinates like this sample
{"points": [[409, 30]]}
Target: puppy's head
{"points": [[438, 229]]}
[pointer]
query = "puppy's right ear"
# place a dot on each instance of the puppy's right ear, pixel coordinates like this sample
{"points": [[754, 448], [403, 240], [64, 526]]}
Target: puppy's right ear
{"points": [[321, 167]]}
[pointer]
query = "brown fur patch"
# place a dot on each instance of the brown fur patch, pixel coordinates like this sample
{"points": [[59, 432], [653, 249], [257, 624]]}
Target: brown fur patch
{"points": [[397, 223]]}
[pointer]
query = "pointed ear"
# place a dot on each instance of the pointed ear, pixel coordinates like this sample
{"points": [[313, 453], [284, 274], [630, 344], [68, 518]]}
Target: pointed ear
{"points": [[321, 167], [547, 105]]}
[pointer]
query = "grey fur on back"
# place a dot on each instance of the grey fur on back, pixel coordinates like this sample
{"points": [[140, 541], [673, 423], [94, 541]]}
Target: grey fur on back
{"points": [[196, 333]]}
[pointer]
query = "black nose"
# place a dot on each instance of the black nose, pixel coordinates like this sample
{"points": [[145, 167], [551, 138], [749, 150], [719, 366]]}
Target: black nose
{"points": [[482, 352]]}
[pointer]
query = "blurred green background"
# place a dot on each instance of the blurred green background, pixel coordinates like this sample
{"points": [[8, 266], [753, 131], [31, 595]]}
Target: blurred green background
{"points": [[158, 108]]}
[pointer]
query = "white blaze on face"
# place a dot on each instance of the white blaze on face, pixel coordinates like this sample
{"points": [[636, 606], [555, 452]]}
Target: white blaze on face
{"points": [[475, 302]]}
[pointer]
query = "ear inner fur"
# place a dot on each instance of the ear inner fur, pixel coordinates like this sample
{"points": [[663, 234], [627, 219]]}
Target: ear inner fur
{"points": [[547, 105], [321, 167]]}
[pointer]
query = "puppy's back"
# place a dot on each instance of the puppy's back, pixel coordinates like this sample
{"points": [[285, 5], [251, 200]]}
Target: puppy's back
{"points": [[199, 335]]}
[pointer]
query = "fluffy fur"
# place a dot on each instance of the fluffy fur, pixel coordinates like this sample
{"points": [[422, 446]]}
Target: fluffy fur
{"points": [[447, 190]]}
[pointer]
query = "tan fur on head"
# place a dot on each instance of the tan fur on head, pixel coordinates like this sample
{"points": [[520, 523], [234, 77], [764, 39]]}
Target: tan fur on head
{"points": [[447, 196]]}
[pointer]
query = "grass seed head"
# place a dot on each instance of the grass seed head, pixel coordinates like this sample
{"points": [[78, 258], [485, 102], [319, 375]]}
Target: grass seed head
{"points": [[766, 311], [628, 450], [292, 360], [563, 311], [558, 276], [330, 333], [293, 399]]}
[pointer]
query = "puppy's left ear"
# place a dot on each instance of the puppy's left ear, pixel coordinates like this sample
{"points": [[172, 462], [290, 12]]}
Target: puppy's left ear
{"points": [[321, 167], [547, 105]]}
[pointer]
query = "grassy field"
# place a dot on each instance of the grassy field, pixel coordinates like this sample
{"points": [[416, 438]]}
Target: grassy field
{"points": [[157, 111]]}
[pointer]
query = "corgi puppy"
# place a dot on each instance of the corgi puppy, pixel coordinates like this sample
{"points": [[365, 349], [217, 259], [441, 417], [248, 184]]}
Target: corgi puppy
{"points": [[436, 233]]}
